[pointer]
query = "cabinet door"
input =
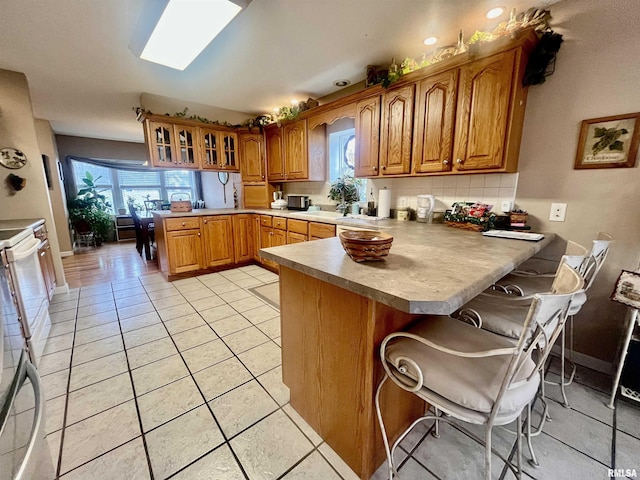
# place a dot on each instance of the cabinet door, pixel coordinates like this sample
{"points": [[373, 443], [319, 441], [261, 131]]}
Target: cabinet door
{"points": [[482, 122], [279, 238], [255, 222], [396, 131], [242, 237], [46, 265], [218, 240], [293, 237], [434, 119], [184, 251], [229, 143], [266, 241], [275, 154], [161, 142], [210, 150], [367, 126], [252, 158], [295, 149], [186, 146]]}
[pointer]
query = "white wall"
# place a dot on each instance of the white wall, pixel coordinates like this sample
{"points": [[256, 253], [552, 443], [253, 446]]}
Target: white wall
{"points": [[597, 74], [17, 130], [212, 190]]}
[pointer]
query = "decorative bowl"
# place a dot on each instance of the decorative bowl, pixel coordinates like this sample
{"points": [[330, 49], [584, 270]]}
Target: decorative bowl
{"points": [[366, 245]]}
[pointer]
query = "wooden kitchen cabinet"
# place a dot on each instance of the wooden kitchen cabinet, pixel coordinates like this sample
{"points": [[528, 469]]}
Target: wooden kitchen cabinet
{"points": [[217, 241], [490, 113], [319, 230], [46, 259], [255, 223], [252, 158], [186, 137], [266, 241], [184, 250], [434, 123], [218, 149], [295, 153], [243, 239], [293, 237], [160, 139], [367, 127], [396, 130]]}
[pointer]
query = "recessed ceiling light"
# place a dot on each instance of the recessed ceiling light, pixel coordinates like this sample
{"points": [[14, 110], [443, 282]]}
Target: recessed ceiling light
{"points": [[495, 12], [173, 44], [341, 83], [430, 40]]}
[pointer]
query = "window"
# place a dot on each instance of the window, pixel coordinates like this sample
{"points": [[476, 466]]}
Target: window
{"points": [[342, 154], [122, 186]]}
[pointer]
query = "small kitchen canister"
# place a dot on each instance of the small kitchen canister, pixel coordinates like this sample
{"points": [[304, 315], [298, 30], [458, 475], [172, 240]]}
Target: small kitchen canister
{"points": [[402, 214]]}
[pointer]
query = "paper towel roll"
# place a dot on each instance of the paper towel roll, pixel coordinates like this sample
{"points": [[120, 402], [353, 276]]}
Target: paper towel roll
{"points": [[384, 203]]}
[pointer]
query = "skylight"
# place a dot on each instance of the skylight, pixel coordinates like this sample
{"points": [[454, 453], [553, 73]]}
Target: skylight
{"points": [[185, 28]]}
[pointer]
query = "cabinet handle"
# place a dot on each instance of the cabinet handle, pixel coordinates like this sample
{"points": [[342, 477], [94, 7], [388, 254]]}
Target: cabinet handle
{"points": [[42, 253], [205, 222], [198, 233], [183, 224], [460, 161], [375, 169], [445, 162], [384, 167]]}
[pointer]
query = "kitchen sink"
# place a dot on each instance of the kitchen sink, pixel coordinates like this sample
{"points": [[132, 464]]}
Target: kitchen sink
{"points": [[320, 213]]}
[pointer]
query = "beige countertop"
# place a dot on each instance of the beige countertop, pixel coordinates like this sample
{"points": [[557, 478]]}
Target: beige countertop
{"points": [[431, 269], [20, 223]]}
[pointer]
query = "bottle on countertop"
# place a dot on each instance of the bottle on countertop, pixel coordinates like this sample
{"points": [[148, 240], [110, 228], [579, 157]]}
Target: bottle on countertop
{"points": [[371, 205]]}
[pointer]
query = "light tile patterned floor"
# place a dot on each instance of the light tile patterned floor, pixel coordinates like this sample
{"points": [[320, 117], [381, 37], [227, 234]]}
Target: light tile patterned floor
{"points": [[183, 380]]}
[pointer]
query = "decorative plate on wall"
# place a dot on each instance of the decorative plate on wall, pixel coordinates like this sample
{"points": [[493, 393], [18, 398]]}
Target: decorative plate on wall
{"points": [[12, 158]]}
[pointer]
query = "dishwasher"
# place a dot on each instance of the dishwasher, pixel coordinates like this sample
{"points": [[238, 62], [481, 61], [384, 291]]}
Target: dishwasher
{"points": [[24, 454]]}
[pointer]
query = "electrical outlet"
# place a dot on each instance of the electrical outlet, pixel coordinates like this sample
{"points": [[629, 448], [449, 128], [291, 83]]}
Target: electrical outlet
{"points": [[558, 212], [506, 206], [403, 201]]}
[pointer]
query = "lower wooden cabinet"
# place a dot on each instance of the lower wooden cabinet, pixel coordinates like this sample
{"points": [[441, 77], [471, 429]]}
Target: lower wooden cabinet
{"points": [[293, 237], [184, 250], [243, 237], [218, 244], [318, 230]]}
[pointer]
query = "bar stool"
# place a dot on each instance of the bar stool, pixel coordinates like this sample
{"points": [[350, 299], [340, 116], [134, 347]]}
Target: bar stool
{"points": [[522, 285], [474, 375]]}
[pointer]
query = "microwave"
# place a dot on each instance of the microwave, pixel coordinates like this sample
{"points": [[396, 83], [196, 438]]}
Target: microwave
{"points": [[297, 202]]}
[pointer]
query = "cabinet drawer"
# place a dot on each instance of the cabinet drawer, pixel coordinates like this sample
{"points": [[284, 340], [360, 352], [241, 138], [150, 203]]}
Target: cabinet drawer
{"points": [[321, 230], [183, 223], [40, 232], [266, 220], [280, 223], [298, 226]]}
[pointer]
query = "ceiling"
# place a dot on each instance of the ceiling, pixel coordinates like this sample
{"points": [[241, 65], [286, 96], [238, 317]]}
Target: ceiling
{"points": [[85, 80]]}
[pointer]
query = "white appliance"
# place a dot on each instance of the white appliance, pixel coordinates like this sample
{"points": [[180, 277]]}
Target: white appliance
{"points": [[426, 204], [27, 284], [24, 454], [278, 203]]}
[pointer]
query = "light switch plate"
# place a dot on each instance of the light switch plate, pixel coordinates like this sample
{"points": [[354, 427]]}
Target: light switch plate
{"points": [[558, 212], [506, 206]]}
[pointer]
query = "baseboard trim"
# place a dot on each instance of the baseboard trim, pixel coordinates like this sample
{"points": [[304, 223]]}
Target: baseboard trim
{"points": [[588, 361], [66, 254], [61, 289]]}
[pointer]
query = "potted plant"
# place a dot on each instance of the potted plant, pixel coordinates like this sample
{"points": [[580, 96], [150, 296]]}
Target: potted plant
{"points": [[90, 211], [345, 190]]}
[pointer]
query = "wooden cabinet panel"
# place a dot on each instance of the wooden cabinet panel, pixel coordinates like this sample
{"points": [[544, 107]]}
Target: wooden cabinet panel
{"points": [[484, 99], [280, 223], [210, 149], [279, 238], [295, 148], [160, 139], [252, 157], [243, 237], [434, 121], [321, 230], [293, 237], [186, 146], [182, 223], [217, 240], [298, 226], [255, 223], [266, 220], [367, 127], [275, 154], [229, 144], [184, 251], [266, 241], [395, 136], [46, 265]]}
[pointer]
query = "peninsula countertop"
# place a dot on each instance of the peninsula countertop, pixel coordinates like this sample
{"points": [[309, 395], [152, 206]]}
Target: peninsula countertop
{"points": [[431, 269]]}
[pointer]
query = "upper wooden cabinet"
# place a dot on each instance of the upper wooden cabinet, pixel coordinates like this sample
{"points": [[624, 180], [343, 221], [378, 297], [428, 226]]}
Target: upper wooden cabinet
{"points": [[396, 131], [434, 121], [160, 139], [295, 152], [484, 122], [367, 127], [252, 157], [218, 149], [186, 146]]}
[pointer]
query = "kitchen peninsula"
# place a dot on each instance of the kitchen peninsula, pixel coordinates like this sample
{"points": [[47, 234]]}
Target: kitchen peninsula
{"points": [[335, 312]]}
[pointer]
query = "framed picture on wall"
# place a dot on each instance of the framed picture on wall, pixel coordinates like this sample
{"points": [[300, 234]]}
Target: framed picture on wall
{"points": [[608, 142], [627, 289]]}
